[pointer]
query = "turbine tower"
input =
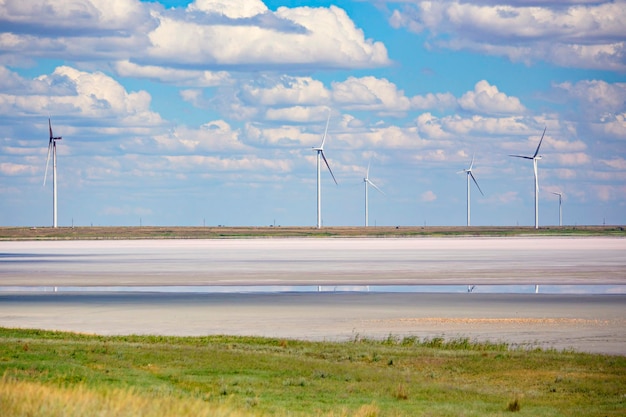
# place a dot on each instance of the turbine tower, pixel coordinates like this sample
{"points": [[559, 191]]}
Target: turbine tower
{"points": [[320, 156], [367, 183], [560, 210], [468, 171], [535, 158], [52, 146]]}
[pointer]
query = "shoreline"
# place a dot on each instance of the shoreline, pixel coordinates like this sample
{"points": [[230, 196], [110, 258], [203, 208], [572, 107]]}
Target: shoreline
{"points": [[584, 323]]}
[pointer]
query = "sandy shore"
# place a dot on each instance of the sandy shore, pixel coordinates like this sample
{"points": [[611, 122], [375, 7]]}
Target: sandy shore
{"points": [[589, 323], [592, 323]]}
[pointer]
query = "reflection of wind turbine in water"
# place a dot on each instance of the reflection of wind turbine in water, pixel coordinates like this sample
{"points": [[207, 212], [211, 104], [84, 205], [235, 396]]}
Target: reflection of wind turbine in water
{"points": [[535, 158], [560, 211], [367, 183], [468, 171], [320, 156], [52, 146]]}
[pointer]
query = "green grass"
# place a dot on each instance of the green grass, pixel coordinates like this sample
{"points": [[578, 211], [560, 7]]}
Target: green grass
{"points": [[175, 232], [219, 375]]}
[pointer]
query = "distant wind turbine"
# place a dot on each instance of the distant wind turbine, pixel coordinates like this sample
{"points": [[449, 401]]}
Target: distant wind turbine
{"points": [[320, 156], [560, 210], [52, 146], [367, 183], [535, 158], [468, 171]]}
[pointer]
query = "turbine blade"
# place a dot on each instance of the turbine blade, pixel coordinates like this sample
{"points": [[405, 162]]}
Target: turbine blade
{"points": [[522, 156], [472, 164], [328, 166], [367, 173], [325, 131], [476, 182], [45, 175], [374, 185], [541, 140], [50, 127]]}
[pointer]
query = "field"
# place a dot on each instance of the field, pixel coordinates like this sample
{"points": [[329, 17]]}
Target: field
{"points": [[45, 373], [176, 232], [66, 374]]}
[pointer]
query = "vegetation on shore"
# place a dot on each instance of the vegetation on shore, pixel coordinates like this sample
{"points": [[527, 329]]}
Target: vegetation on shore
{"points": [[66, 374], [177, 232]]}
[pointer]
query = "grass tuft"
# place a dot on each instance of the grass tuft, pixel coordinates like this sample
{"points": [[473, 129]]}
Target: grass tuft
{"points": [[514, 405]]}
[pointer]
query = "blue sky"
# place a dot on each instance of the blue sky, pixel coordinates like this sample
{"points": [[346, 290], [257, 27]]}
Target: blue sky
{"points": [[205, 112]]}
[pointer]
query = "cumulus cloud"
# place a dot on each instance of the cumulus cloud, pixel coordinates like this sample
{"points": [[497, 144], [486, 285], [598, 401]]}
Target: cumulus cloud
{"points": [[284, 91], [73, 17], [570, 35], [370, 93], [207, 35], [214, 136], [11, 169], [83, 94], [327, 37], [428, 196], [232, 9], [596, 98], [487, 99], [615, 163], [291, 96], [174, 76]]}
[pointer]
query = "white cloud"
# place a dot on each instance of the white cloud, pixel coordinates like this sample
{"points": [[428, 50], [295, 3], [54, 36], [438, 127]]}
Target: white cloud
{"points": [[284, 91], [175, 76], [216, 163], [206, 35], [370, 93], [74, 16], [596, 98], [428, 196], [575, 35], [487, 99], [214, 136], [616, 163], [323, 37], [571, 159], [84, 94], [232, 9], [11, 169], [439, 101]]}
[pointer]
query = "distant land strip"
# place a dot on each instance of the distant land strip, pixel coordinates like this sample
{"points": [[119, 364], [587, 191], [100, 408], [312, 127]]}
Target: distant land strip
{"points": [[227, 232]]}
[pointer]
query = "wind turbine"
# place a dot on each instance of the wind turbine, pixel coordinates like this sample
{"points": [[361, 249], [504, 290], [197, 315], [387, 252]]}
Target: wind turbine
{"points": [[367, 182], [468, 171], [560, 210], [535, 158], [320, 156], [52, 146]]}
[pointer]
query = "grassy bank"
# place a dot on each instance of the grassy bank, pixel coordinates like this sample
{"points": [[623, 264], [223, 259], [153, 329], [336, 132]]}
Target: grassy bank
{"points": [[65, 374], [149, 232]]}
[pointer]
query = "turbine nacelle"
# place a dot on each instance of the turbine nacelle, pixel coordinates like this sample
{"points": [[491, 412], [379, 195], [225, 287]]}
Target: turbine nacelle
{"points": [[535, 158]]}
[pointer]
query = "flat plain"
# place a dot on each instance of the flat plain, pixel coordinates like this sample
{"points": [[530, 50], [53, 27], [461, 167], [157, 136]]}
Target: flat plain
{"points": [[591, 323]]}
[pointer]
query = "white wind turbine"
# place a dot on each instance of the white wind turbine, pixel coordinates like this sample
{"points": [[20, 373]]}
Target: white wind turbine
{"points": [[468, 171], [535, 158], [320, 156], [367, 183], [52, 146], [560, 210]]}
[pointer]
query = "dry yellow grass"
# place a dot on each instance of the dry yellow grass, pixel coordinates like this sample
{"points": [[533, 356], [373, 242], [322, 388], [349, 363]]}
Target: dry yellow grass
{"points": [[21, 399], [27, 399]]}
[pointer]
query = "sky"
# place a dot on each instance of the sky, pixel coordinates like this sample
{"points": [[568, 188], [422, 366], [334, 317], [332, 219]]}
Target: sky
{"points": [[205, 112]]}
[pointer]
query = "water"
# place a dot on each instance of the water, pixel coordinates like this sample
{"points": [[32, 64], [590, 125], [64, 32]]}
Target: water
{"points": [[260, 289]]}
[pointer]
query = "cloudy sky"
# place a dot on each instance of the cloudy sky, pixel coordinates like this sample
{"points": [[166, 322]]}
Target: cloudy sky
{"points": [[179, 112]]}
